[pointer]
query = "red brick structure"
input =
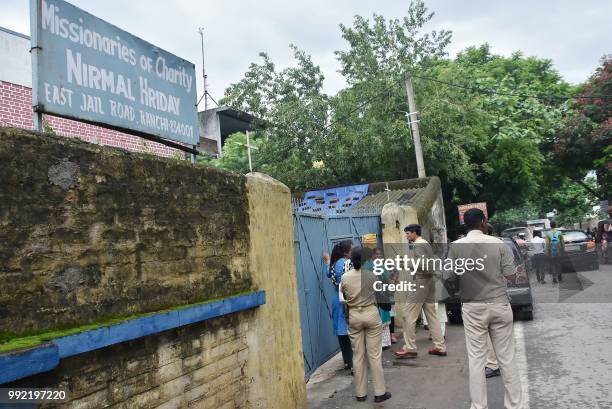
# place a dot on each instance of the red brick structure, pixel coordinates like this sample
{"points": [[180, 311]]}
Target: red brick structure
{"points": [[16, 111]]}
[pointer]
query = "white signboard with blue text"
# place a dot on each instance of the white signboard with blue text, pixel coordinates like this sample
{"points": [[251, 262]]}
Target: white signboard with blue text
{"points": [[90, 70]]}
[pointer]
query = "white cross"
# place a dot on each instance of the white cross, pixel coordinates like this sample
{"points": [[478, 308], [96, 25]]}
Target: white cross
{"points": [[388, 190], [249, 147]]}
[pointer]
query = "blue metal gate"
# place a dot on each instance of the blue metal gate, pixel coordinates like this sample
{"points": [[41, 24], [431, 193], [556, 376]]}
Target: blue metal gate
{"points": [[314, 235]]}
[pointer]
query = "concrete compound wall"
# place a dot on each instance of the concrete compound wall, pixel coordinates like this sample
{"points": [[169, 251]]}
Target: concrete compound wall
{"points": [[92, 232]]}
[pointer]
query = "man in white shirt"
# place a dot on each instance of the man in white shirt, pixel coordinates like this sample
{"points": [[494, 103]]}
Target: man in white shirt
{"points": [[538, 256]]}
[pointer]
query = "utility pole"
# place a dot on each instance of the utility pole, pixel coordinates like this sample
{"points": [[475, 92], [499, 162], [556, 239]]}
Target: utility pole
{"points": [[201, 30], [249, 147], [414, 123]]}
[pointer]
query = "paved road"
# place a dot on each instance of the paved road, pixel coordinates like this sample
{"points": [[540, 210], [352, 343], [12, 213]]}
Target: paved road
{"points": [[569, 342], [564, 356]]}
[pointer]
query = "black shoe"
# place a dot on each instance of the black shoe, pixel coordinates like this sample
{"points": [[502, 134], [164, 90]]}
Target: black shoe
{"points": [[382, 398], [361, 398], [490, 373]]}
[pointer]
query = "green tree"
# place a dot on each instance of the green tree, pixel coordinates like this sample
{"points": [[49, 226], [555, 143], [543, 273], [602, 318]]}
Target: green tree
{"points": [[490, 138], [583, 143], [235, 155], [291, 110]]}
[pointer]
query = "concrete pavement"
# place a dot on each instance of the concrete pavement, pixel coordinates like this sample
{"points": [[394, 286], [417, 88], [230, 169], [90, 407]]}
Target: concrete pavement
{"points": [[564, 356]]}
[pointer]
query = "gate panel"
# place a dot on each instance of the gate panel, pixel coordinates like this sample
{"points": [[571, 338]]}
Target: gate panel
{"points": [[313, 236]]}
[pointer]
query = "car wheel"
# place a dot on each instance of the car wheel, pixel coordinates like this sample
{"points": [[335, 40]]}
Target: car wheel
{"points": [[526, 313]]}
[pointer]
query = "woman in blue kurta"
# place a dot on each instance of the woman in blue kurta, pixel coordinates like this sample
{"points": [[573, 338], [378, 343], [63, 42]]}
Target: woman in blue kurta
{"points": [[336, 266]]}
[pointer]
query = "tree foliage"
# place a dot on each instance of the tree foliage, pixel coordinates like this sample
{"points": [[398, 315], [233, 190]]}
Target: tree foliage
{"points": [[584, 142], [486, 128]]}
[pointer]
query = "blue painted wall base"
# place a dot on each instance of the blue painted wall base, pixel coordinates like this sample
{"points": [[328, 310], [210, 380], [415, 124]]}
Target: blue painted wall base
{"points": [[20, 364]]}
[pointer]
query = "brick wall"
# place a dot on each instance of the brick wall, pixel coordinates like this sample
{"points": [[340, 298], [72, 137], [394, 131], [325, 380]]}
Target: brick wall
{"points": [[16, 111], [199, 366]]}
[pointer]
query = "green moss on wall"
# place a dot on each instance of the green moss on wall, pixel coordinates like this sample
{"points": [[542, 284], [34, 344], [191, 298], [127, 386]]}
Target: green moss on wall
{"points": [[11, 342]]}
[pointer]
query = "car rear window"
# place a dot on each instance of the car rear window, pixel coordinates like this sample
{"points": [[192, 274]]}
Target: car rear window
{"points": [[574, 236], [515, 251], [514, 232]]}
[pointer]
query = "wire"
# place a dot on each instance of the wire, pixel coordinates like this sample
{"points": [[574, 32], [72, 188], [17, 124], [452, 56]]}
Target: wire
{"points": [[511, 94], [358, 107]]}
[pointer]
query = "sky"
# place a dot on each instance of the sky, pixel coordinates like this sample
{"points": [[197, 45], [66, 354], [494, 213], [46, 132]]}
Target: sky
{"points": [[573, 34]]}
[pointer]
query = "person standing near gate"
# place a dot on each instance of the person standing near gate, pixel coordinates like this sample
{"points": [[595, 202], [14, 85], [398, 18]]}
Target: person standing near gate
{"points": [[423, 299], [555, 247], [538, 245], [337, 265], [365, 327], [486, 308]]}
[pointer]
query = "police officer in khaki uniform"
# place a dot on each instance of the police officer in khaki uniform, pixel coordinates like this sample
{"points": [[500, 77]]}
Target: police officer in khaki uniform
{"points": [[365, 327], [486, 308], [423, 299]]}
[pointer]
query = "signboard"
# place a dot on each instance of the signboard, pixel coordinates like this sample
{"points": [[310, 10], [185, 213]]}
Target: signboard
{"points": [[87, 69], [465, 207], [369, 240]]}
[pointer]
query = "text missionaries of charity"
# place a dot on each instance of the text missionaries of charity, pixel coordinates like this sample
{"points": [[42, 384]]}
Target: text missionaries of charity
{"points": [[114, 47]]}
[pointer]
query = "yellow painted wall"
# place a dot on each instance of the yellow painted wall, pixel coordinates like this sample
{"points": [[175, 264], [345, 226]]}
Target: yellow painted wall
{"points": [[275, 365]]}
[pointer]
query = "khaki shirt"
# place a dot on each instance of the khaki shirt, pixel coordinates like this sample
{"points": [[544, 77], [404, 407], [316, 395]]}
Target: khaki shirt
{"points": [[358, 287], [486, 284], [421, 249]]}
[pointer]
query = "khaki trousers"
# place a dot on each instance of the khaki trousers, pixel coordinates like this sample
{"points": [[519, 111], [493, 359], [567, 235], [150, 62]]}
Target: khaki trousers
{"points": [[496, 320], [411, 312], [365, 331], [491, 357]]}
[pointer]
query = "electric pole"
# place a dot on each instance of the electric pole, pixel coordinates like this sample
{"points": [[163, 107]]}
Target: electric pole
{"points": [[414, 123]]}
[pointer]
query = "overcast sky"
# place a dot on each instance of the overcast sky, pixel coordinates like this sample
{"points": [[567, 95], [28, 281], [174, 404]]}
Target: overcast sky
{"points": [[574, 34]]}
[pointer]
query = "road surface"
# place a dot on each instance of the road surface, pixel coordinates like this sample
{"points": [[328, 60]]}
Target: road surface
{"points": [[564, 356]]}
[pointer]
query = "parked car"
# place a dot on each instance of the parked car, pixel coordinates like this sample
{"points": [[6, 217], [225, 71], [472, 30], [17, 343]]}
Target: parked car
{"points": [[580, 252], [519, 290], [522, 232]]}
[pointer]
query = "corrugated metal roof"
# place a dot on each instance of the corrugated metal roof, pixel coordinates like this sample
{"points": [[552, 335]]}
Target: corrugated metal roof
{"points": [[418, 193], [378, 200]]}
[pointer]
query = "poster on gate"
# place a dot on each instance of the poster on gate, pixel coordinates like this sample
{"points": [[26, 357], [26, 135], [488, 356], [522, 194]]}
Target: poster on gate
{"points": [[465, 207]]}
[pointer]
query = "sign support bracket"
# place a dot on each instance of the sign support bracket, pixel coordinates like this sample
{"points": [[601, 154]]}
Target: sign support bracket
{"points": [[34, 50]]}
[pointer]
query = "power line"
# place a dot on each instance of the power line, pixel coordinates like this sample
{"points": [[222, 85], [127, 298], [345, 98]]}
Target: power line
{"points": [[511, 94], [358, 107]]}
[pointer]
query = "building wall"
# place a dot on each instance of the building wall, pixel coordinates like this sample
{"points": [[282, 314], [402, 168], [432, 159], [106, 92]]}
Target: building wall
{"points": [[206, 233], [210, 128], [198, 366], [15, 59], [16, 111]]}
